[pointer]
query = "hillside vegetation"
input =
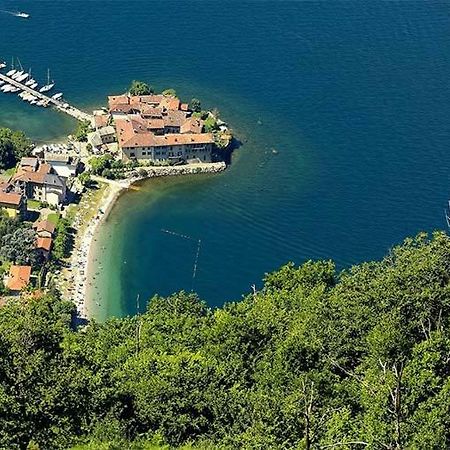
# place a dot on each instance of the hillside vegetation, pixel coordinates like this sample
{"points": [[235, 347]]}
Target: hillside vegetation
{"points": [[315, 360]]}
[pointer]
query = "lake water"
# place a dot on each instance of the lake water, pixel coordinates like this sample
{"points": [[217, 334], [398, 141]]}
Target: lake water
{"points": [[342, 108]]}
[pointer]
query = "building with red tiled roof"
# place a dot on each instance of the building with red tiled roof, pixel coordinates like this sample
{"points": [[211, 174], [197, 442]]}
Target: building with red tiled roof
{"points": [[39, 182], [44, 245], [44, 228], [18, 278], [14, 203], [158, 128]]}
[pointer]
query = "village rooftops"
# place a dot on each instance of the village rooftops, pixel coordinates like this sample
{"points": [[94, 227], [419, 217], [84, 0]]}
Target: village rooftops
{"points": [[56, 157], [44, 243], [19, 277], [133, 133], [36, 176], [10, 199], [29, 162], [44, 226]]}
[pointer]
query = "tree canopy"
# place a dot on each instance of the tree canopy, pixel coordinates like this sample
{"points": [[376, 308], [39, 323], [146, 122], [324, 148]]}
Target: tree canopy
{"points": [[13, 146], [140, 88], [316, 359]]}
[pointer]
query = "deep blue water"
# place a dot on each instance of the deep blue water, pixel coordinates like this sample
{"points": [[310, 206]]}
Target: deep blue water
{"points": [[353, 95]]}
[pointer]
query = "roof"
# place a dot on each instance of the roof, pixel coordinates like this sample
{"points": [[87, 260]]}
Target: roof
{"points": [[10, 199], [37, 176], [44, 243], [134, 133], [19, 277], [192, 125], [28, 162], [104, 131], [44, 225], [56, 157], [101, 120]]}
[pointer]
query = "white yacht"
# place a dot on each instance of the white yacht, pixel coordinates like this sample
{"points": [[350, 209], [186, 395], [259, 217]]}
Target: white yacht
{"points": [[1, 82], [17, 75], [57, 96], [2, 64], [22, 14], [33, 86], [30, 82], [11, 73], [22, 78], [7, 88], [49, 85]]}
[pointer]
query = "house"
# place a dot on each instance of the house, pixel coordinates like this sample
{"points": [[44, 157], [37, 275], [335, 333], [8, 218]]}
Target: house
{"points": [[14, 203], [102, 136], [44, 246], [44, 228], [18, 278], [63, 165], [38, 181]]}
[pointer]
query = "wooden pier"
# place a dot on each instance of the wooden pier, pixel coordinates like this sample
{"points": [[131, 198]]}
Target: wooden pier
{"points": [[62, 106]]}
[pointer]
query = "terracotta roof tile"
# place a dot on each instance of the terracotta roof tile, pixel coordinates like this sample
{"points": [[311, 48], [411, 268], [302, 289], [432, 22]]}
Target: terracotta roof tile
{"points": [[19, 277]]}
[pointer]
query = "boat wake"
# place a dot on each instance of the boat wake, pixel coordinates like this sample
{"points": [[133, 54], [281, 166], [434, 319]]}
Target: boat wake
{"points": [[22, 14]]}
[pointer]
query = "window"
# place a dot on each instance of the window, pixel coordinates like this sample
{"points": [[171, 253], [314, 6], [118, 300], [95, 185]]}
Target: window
{"points": [[132, 155], [144, 153]]}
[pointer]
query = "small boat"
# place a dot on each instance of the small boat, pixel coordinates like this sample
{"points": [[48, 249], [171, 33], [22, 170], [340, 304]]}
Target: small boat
{"points": [[1, 82], [15, 89], [22, 78], [17, 75], [49, 86], [6, 88], [30, 82], [10, 73], [22, 14], [57, 96], [2, 64], [33, 86]]}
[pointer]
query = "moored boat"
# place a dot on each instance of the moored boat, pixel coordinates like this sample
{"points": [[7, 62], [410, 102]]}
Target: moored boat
{"points": [[57, 96]]}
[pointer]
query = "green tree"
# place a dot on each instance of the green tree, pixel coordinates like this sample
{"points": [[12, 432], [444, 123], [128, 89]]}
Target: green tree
{"points": [[83, 128], [140, 88], [195, 105], [13, 146], [63, 242], [169, 92], [85, 179]]}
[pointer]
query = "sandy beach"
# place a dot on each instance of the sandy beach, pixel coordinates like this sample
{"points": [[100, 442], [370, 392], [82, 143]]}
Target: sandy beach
{"points": [[82, 256]]}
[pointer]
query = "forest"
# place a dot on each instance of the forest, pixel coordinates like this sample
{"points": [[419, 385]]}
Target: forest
{"points": [[315, 359]]}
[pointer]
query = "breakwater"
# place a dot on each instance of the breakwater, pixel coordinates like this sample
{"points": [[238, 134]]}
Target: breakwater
{"points": [[189, 169]]}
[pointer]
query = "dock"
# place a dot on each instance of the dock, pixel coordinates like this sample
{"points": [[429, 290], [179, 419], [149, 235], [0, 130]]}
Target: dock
{"points": [[62, 106]]}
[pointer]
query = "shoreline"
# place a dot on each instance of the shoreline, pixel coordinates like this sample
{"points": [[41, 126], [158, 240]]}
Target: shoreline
{"points": [[83, 256]]}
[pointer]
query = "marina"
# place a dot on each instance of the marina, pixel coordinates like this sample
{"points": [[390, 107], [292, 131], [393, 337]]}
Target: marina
{"points": [[15, 81]]}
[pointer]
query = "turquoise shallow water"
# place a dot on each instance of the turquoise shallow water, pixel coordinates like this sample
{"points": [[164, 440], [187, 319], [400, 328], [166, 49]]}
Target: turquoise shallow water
{"points": [[352, 95]]}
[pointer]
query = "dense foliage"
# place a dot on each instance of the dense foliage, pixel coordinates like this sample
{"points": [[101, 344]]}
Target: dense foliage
{"points": [[140, 88], [314, 360], [63, 242], [17, 242], [13, 146], [82, 130]]}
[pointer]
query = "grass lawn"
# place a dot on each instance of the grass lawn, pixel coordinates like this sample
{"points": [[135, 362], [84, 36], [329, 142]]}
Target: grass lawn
{"points": [[6, 174], [53, 218], [33, 204]]}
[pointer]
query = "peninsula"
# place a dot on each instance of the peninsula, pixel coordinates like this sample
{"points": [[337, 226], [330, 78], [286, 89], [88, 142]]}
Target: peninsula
{"points": [[60, 193]]}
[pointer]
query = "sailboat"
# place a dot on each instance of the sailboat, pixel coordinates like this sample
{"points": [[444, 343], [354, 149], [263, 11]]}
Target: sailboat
{"points": [[49, 85]]}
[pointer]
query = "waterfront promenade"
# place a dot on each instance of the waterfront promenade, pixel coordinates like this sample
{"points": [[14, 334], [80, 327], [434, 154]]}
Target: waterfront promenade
{"points": [[62, 106]]}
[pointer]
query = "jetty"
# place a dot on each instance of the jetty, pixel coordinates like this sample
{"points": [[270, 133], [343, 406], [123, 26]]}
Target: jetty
{"points": [[62, 106]]}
